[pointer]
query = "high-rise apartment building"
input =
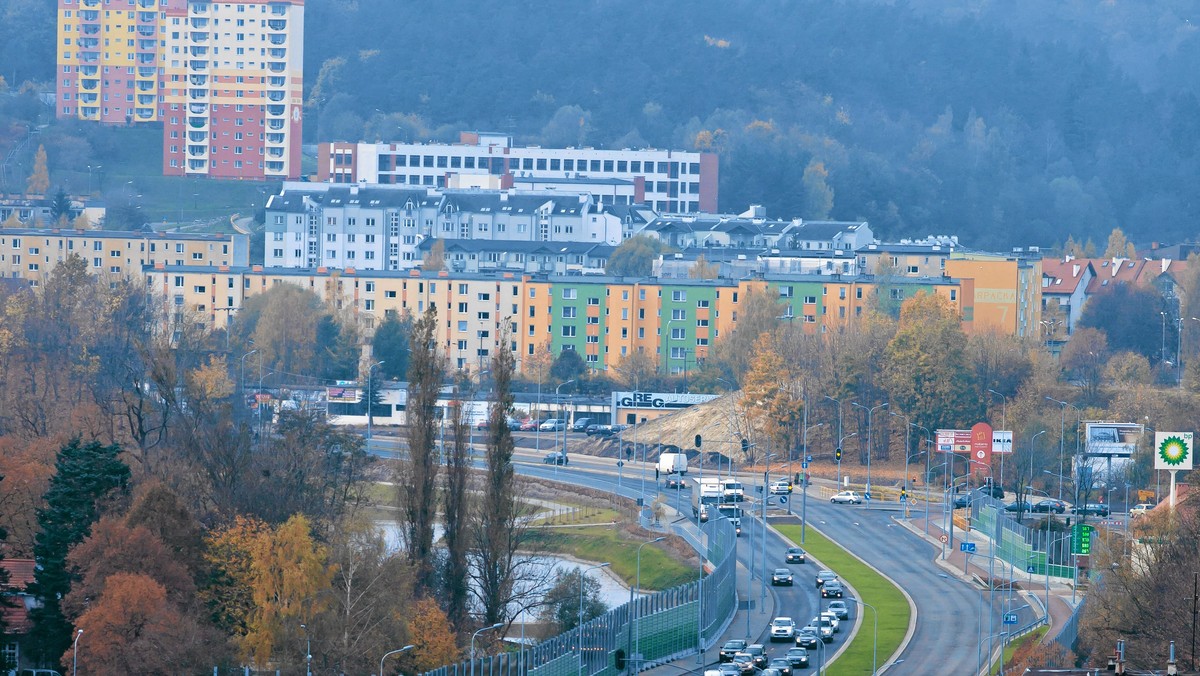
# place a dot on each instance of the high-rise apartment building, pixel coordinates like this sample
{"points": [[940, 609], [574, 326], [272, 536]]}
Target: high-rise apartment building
{"points": [[224, 78]]}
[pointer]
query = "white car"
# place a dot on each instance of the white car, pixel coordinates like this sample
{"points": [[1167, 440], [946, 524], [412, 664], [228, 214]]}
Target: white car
{"points": [[1140, 509], [847, 497], [553, 425], [781, 487], [833, 619], [783, 629]]}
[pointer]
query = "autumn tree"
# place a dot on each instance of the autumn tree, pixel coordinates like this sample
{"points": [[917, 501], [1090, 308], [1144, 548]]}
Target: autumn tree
{"points": [[4, 600], [39, 181], [457, 518], [1118, 246], [416, 478], [702, 269], [772, 407], [927, 374], [390, 345], [1130, 318], [229, 553], [818, 195], [560, 606], [86, 474], [435, 258], [284, 323], [536, 367], [434, 644], [634, 257], [1126, 368], [758, 313], [1083, 359]]}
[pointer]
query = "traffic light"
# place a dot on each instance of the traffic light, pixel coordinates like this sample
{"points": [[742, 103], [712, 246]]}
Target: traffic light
{"points": [[838, 454], [619, 659], [698, 440], [745, 446]]}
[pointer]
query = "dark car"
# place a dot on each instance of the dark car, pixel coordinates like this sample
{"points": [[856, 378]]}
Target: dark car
{"points": [[727, 651], [514, 424], [806, 638], [581, 424], [1018, 506], [556, 458], [781, 576], [759, 653], [795, 555], [962, 502], [824, 576], [992, 490], [676, 481], [1092, 508], [831, 589], [1050, 506], [782, 664], [797, 657]]}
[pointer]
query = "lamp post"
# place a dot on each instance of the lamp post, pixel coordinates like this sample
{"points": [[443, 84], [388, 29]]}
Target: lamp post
{"points": [[242, 373], [870, 418], [75, 652], [840, 437], [1032, 439], [90, 168], [875, 643], [637, 640], [1062, 436], [558, 407], [1162, 354], [392, 652], [307, 651], [907, 442], [494, 626], [579, 627], [370, 398], [1003, 425], [804, 488]]}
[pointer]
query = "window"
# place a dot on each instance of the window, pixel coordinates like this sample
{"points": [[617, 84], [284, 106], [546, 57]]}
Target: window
{"points": [[678, 314], [810, 300], [701, 303], [593, 301], [701, 342], [368, 305], [593, 320], [701, 323], [484, 316], [679, 296], [567, 294], [568, 313], [370, 287], [678, 334], [912, 269], [568, 332], [785, 292], [953, 294], [858, 293]]}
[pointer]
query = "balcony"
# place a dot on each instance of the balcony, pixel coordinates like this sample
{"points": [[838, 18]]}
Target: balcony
{"points": [[197, 165], [197, 136], [145, 85], [274, 166], [277, 39], [198, 151], [276, 81], [147, 45], [88, 84], [276, 110], [198, 108], [146, 4], [197, 80], [198, 50], [89, 15], [145, 59], [199, 8], [89, 111], [275, 125], [198, 122], [277, 24], [199, 22], [277, 53], [89, 29], [89, 3], [276, 138], [146, 99], [275, 96], [147, 71], [145, 113], [199, 65], [276, 66], [89, 43], [198, 94], [274, 152], [88, 98], [145, 31], [279, 9], [199, 36], [89, 71], [89, 57], [147, 17]]}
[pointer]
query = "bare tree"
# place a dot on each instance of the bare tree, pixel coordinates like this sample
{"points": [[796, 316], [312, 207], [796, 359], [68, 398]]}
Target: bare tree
{"points": [[457, 519], [416, 479]]}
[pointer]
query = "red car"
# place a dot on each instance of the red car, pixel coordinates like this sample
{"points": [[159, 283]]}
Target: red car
{"points": [[529, 425]]}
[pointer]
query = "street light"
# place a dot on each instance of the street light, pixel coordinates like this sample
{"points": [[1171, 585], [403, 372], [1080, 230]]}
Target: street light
{"points": [[579, 627], [558, 405], [839, 459], [804, 488], [242, 372], [75, 652], [1062, 436], [494, 626], [840, 437], [392, 652], [907, 441], [875, 644], [870, 418], [370, 397], [1033, 439], [307, 651], [637, 642]]}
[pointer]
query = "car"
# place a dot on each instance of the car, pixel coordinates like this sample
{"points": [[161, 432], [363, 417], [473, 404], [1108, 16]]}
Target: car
{"points": [[759, 653], [831, 589], [727, 651], [798, 657], [992, 490], [514, 425], [825, 627], [833, 618], [806, 638], [553, 425], [783, 629], [824, 576], [675, 481], [781, 487], [1050, 506], [846, 497], [1018, 506], [1093, 508], [780, 664], [556, 458], [840, 609], [744, 662], [769, 672], [781, 577], [598, 430], [795, 555], [962, 501], [581, 424], [728, 669], [529, 425], [482, 424], [1140, 509]]}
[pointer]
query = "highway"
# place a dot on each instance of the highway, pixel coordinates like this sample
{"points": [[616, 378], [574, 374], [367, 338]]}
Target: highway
{"points": [[951, 620]]}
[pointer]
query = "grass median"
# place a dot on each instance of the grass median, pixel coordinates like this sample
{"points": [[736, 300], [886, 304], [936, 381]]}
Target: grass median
{"points": [[872, 588]]}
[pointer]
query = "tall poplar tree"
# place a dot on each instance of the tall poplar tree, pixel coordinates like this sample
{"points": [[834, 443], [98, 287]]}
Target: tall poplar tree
{"points": [[85, 473]]}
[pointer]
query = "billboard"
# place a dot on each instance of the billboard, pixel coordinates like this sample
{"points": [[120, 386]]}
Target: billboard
{"points": [[342, 395], [658, 400], [981, 447], [954, 441], [1111, 440], [1002, 441], [1173, 450]]}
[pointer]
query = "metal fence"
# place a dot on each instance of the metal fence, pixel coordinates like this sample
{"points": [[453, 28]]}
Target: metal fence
{"points": [[656, 628], [1034, 550], [1069, 634]]}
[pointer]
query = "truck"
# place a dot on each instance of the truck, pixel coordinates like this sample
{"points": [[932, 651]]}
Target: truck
{"points": [[732, 491], [672, 463], [707, 493], [734, 514]]}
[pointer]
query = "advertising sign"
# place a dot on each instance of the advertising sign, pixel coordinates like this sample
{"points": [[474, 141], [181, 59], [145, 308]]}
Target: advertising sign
{"points": [[1112, 440], [658, 400], [1081, 540], [342, 395], [954, 441], [1002, 441], [1173, 450], [981, 447]]}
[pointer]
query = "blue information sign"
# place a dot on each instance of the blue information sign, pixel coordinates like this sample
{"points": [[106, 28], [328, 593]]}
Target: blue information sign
{"points": [[1010, 618], [968, 547]]}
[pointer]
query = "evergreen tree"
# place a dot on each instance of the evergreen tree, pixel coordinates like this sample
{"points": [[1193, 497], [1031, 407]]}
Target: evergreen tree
{"points": [[84, 474], [389, 344], [60, 207]]}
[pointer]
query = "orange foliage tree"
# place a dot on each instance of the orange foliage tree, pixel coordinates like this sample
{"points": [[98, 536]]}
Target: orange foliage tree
{"points": [[433, 641]]}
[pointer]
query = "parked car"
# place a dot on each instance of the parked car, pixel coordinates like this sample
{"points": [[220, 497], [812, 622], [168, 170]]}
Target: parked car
{"points": [[1140, 509], [831, 589], [514, 424], [781, 577], [728, 650], [482, 424], [1050, 506], [798, 657], [840, 609], [824, 576], [844, 497], [1092, 508], [781, 664], [962, 501], [806, 637], [556, 458], [783, 629], [553, 425], [581, 424], [781, 487], [529, 425], [795, 555], [1018, 506]]}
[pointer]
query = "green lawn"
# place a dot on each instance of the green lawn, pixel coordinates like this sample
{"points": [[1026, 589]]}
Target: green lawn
{"points": [[872, 588], [603, 543]]}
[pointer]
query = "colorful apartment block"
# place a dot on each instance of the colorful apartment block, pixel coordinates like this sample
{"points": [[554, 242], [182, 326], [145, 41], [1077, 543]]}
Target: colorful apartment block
{"points": [[224, 78], [1008, 290], [33, 253]]}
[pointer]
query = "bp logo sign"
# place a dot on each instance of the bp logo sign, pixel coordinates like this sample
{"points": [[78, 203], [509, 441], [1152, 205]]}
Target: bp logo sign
{"points": [[1173, 450]]}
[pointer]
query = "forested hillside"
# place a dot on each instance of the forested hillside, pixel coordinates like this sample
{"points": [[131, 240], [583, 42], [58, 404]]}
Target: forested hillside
{"points": [[1006, 123]]}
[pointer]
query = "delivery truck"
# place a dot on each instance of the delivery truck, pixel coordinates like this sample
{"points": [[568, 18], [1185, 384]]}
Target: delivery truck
{"points": [[672, 463]]}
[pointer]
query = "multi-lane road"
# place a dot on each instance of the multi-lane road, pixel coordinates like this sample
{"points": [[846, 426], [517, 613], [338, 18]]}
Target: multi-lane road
{"points": [[953, 619]]}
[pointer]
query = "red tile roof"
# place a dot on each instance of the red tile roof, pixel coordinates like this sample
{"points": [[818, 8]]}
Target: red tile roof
{"points": [[1064, 274], [1111, 272], [20, 572]]}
